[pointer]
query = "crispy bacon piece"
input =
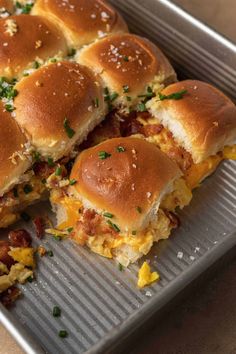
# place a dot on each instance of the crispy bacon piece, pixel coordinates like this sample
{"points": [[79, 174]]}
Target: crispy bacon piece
{"points": [[174, 220], [9, 296], [181, 157], [39, 226], [19, 238], [109, 128], [130, 125], [144, 115], [4, 256], [42, 169], [152, 129], [91, 220]]}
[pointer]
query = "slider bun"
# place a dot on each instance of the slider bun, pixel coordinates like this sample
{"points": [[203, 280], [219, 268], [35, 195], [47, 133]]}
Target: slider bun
{"points": [[82, 21], [6, 5], [127, 59], [53, 93], [25, 38], [138, 177], [203, 121], [13, 145]]}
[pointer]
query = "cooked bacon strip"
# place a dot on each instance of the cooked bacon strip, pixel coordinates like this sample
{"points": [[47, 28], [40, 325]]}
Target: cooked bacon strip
{"points": [[4, 256], [174, 220], [19, 238], [39, 226]]}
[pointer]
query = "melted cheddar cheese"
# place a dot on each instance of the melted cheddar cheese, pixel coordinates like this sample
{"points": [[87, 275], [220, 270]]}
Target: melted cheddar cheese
{"points": [[197, 172]]}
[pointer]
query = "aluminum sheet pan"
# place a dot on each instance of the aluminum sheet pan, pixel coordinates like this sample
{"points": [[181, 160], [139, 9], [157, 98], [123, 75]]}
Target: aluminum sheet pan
{"points": [[100, 305]]}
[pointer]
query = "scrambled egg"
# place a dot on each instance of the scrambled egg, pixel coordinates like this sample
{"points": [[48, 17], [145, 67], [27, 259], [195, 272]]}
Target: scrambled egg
{"points": [[18, 273], [145, 276], [23, 255], [9, 213]]}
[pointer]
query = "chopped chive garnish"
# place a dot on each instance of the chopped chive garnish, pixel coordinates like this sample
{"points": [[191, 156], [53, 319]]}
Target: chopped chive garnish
{"points": [[149, 94], [72, 182], [36, 156], [25, 216], [69, 131], [113, 96], [139, 209], [173, 96], [103, 155], [125, 88], [125, 58], [9, 107], [114, 226], [134, 232], [50, 253], [58, 171], [27, 188], [120, 267], [57, 237], [30, 279], [15, 192], [53, 60], [50, 162], [96, 102], [25, 9], [120, 149], [44, 181], [108, 215], [106, 91], [70, 229], [36, 64], [56, 312], [63, 334], [72, 52], [128, 98], [141, 107]]}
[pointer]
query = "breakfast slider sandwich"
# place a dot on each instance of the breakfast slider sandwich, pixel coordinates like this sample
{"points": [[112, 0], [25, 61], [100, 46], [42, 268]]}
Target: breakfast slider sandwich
{"points": [[82, 21], [25, 39], [52, 112], [122, 200], [197, 127], [131, 67]]}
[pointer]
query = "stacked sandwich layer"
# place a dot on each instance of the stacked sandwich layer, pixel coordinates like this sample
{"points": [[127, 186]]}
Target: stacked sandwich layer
{"points": [[75, 82]]}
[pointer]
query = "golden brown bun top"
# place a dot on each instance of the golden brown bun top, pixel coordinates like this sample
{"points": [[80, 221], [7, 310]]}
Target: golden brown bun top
{"points": [[206, 118], [6, 5], [13, 161], [127, 60], [25, 38], [127, 184], [82, 21], [53, 93]]}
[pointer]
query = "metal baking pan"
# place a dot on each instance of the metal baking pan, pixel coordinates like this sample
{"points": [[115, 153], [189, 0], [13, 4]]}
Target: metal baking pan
{"points": [[101, 306]]}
